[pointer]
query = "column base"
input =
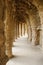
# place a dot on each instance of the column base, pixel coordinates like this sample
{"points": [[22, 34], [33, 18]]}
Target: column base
{"points": [[11, 57], [35, 44]]}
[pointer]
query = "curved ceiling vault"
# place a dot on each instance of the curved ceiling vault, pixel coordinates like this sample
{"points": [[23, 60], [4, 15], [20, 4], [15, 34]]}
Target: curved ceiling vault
{"points": [[21, 9], [24, 8]]}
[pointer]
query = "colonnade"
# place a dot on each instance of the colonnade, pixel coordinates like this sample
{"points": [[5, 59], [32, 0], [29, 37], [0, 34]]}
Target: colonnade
{"points": [[11, 29], [17, 34]]}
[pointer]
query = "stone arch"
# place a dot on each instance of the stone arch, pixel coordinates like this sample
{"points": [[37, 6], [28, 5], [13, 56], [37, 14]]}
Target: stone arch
{"points": [[21, 8], [35, 23]]}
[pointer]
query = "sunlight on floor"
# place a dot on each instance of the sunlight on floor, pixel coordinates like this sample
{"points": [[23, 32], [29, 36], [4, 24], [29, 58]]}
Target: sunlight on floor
{"points": [[25, 53]]}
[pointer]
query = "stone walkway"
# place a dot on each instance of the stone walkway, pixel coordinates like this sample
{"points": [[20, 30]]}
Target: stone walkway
{"points": [[25, 53]]}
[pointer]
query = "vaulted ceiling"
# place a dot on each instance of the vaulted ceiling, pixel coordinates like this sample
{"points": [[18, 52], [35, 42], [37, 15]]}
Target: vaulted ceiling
{"points": [[20, 9]]}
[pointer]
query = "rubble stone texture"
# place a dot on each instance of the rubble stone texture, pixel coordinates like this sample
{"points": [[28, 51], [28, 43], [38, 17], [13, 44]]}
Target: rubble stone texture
{"points": [[3, 57]]}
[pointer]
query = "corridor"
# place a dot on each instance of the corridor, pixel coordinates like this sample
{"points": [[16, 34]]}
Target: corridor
{"points": [[18, 18], [25, 54]]}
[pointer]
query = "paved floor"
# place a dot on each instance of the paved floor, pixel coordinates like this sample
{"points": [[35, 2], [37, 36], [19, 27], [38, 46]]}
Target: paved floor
{"points": [[25, 53]]}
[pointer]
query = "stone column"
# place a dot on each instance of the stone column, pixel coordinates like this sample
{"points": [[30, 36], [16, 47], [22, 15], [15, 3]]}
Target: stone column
{"points": [[41, 29], [29, 31], [3, 57], [24, 28], [9, 32], [9, 28], [35, 37], [18, 29], [21, 29], [14, 31]]}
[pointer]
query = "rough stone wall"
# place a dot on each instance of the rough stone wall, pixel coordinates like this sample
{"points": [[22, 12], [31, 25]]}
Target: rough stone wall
{"points": [[35, 32], [39, 5], [3, 57]]}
